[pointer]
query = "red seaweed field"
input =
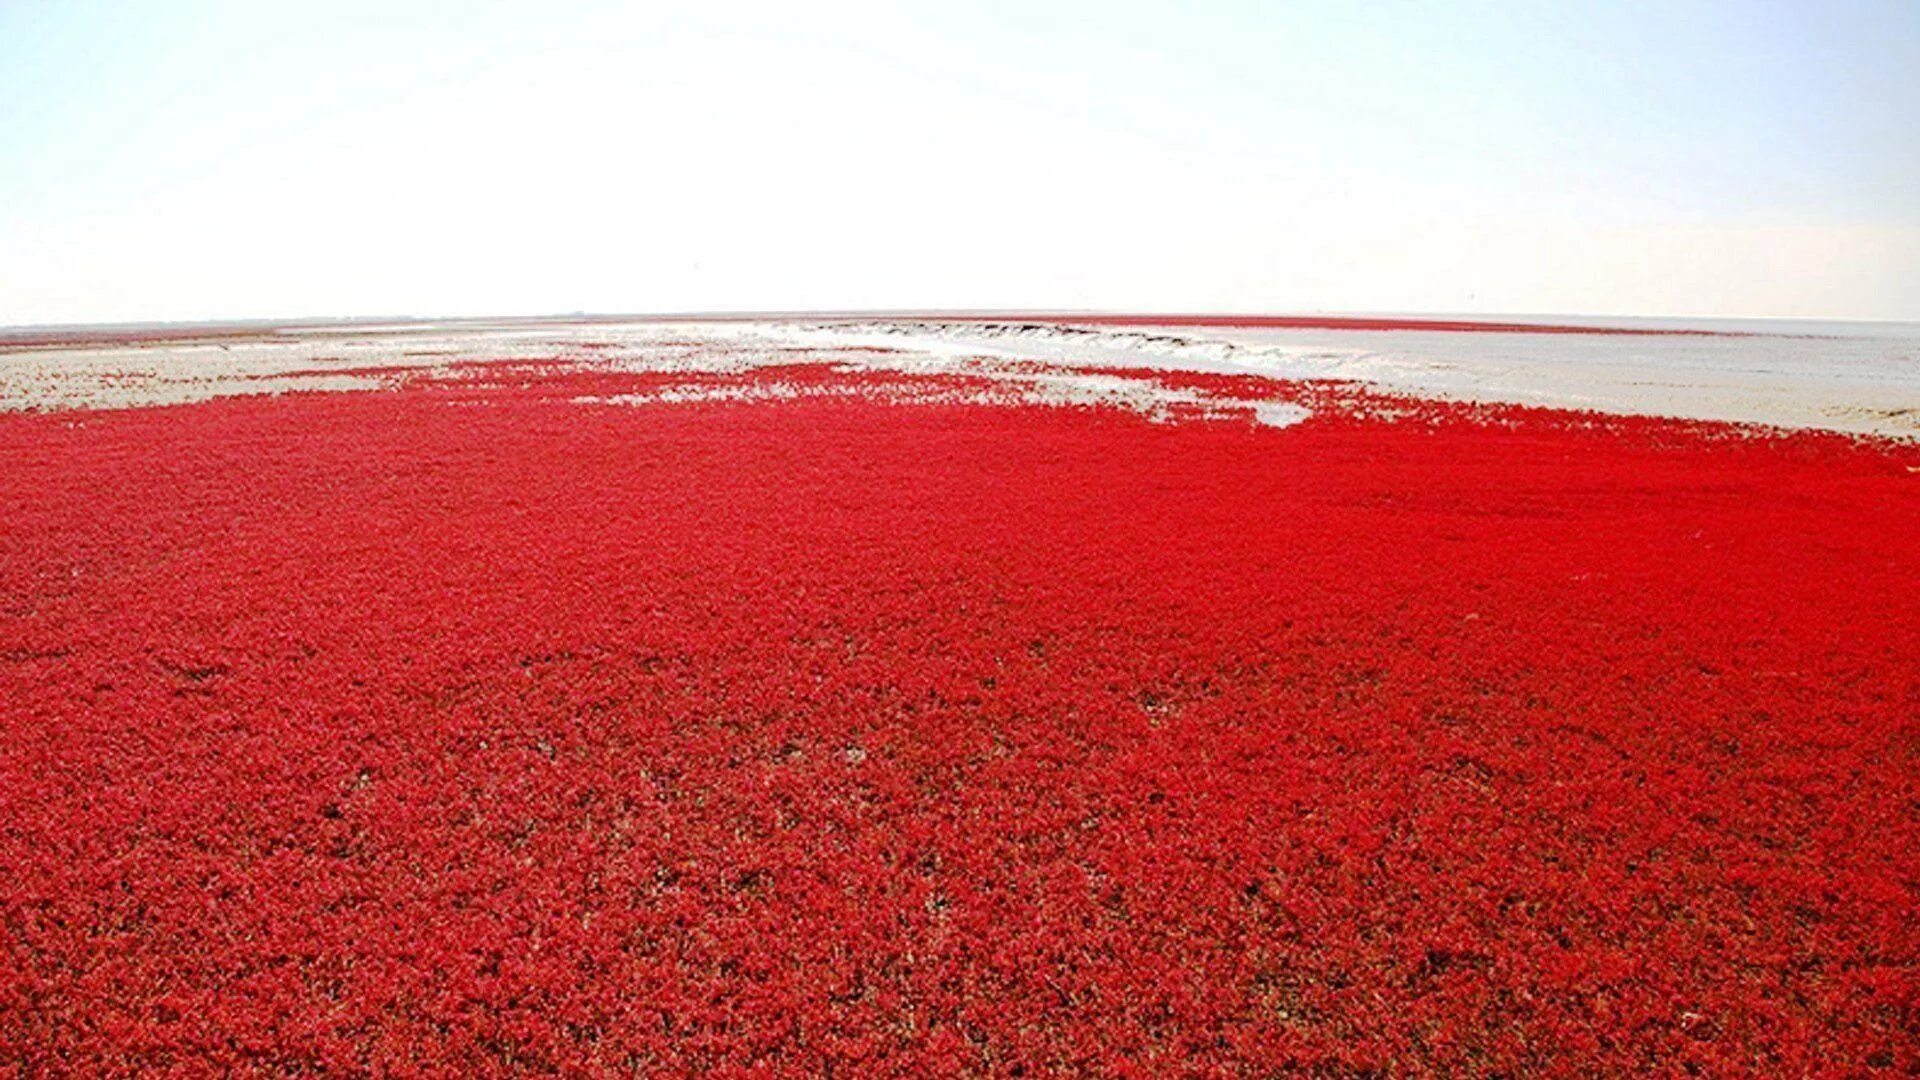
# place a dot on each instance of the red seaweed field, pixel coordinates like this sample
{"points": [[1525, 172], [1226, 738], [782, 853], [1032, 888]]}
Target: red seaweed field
{"points": [[491, 725]]}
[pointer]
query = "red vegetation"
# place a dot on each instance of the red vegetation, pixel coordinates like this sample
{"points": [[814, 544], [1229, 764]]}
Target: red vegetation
{"points": [[465, 728]]}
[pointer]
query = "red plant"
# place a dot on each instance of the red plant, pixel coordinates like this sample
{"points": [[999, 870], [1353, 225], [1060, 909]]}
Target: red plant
{"points": [[469, 728]]}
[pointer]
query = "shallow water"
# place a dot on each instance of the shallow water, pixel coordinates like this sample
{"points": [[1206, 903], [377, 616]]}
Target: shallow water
{"points": [[1849, 377]]}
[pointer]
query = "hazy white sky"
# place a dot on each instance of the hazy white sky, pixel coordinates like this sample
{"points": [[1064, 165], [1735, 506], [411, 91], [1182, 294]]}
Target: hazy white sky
{"points": [[207, 159]]}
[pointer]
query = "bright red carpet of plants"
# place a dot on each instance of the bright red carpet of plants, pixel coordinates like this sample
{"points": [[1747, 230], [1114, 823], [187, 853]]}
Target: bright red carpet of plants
{"points": [[469, 728]]}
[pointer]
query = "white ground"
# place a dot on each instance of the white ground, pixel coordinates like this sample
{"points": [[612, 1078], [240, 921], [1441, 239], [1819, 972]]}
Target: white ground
{"points": [[1860, 378]]}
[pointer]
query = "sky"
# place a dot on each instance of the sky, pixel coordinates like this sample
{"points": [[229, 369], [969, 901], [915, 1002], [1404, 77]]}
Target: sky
{"points": [[200, 159]]}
